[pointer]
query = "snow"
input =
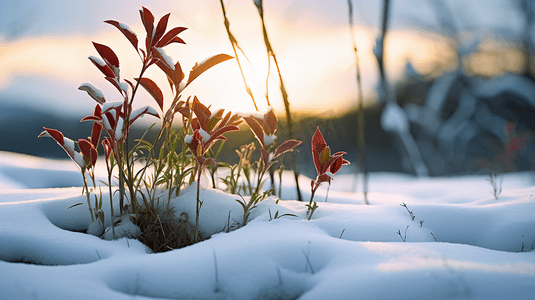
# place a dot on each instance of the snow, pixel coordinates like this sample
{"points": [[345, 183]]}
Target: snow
{"points": [[205, 135], [188, 139], [93, 91], [143, 110], [119, 129], [348, 250], [269, 139], [108, 106], [125, 27], [167, 58]]}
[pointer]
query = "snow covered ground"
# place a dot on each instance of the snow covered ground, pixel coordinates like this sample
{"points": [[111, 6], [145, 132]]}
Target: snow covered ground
{"points": [[347, 251]]}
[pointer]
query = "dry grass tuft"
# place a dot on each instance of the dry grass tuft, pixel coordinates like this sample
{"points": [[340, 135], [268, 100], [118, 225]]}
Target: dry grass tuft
{"points": [[164, 231]]}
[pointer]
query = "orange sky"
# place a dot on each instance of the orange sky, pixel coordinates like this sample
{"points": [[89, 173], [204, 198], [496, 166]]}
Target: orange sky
{"points": [[316, 59]]}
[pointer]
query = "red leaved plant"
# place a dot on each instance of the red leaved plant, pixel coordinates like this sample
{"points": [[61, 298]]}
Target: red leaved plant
{"points": [[116, 118], [326, 165], [207, 128], [264, 130], [85, 159]]}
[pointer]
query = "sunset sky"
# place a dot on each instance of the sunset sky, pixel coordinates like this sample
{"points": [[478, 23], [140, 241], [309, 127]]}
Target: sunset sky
{"points": [[44, 47]]}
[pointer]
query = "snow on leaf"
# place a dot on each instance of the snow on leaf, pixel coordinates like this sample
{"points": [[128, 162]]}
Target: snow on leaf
{"points": [[127, 32], [102, 66], [125, 87], [204, 134], [119, 129], [142, 111], [111, 105], [188, 139], [167, 59], [201, 67], [269, 139], [153, 89], [270, 121], [94, 92], [79, 159]]}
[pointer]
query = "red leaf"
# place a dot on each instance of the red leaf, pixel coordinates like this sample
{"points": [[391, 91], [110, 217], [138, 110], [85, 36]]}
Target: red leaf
{"points": [[127, 32], [160, 29], [95, 134], [288, 145], [179, 74], [55, 134], [270, 122], [148, 22], [265, 156], [335, 167], [88, 150], [102, 66], [111, 120], [153, 90], [142, 111], [201, 67], [218, 134], [203, 114], [113, 80], [256, 129], [331, 161], [168, 69], [91, 118], [318, 144], [108, 55], [170, 36], [130, 84], [176, 39]]}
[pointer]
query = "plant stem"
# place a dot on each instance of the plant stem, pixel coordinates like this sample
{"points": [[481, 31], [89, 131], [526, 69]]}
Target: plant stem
{"points": [[234, 44], [88, 197], [111, 204], [271, 53], [361, 121], [198, 206], [312, 208], [126, 126]]}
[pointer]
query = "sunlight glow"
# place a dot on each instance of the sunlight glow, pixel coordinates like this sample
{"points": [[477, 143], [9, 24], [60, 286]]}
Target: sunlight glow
{"points": [[317, 66]]}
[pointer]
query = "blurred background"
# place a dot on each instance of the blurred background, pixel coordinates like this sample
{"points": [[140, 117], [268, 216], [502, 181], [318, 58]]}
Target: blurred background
{"points": [[457, 95]]}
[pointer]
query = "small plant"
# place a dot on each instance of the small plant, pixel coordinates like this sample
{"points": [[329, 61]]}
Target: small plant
{"points": [[264, 130], [404, 237], [326, 165], [207, 129], [85, 160], [116, 119], [410, 213], [277, 216], [495, 179]]}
